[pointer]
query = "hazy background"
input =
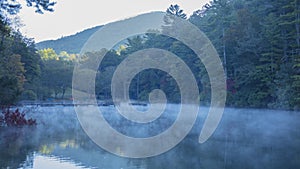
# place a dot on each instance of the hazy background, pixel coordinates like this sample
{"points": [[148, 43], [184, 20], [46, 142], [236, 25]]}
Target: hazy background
{"points": [[72, 16]]}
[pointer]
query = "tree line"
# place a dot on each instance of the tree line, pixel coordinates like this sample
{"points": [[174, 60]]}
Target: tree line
{"points": [[257, 41], [28, 74]]}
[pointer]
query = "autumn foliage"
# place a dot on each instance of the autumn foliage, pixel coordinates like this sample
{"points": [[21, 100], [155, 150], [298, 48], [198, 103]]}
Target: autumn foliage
{"points": [[15, 118]]}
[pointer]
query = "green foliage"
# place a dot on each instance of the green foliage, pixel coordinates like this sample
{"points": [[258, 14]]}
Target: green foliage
{"points": [[11, 79], [19, 64], [48, 54], [149, 79], [56, 73], [28, 95], [259, 43]]}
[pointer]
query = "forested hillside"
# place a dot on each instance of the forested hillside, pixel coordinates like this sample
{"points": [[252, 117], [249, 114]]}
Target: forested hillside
{"points": [[70, 44], [258, 43]]}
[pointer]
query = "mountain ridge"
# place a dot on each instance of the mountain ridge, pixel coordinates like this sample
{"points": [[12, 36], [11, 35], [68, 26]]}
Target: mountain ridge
{"points": [[74, 43], [71, 44]]}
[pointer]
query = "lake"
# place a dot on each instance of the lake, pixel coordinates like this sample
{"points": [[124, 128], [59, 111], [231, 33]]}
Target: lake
{"points": [[245, 138]]}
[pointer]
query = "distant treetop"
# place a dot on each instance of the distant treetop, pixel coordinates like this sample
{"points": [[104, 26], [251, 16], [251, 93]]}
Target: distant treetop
{"points": [[13, 7], [175, 10]]}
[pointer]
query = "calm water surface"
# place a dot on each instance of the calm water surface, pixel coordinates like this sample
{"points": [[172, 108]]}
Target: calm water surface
{"points": [[245, 138]]}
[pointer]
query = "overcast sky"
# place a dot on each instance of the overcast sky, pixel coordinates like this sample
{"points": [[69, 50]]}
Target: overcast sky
{"points": [[71, 16]]}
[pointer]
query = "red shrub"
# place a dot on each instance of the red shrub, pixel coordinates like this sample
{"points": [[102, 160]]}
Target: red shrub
{"points": [[15, 118]]}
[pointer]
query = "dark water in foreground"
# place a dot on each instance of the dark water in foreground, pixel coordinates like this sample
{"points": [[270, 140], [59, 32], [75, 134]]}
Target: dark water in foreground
{"points": [[245, 138]]}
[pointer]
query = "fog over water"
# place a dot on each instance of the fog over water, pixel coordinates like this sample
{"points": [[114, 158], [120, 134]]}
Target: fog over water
{"points": [[245, 138]]}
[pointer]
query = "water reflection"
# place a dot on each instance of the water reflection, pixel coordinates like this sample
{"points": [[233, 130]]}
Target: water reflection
{"points": [[245, 139], [41, 161]]}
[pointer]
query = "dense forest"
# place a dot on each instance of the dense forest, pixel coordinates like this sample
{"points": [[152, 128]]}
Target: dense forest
{"points": [[258, 42], [20, 64]]}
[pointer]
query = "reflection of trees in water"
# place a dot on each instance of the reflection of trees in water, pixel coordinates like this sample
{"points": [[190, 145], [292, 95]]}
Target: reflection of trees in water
{"points": [[184, 155], [244, 138], [18, 145]]}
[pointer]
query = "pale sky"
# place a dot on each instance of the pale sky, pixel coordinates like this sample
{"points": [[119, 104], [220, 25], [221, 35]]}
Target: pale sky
{"points": [[72, 16]]}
